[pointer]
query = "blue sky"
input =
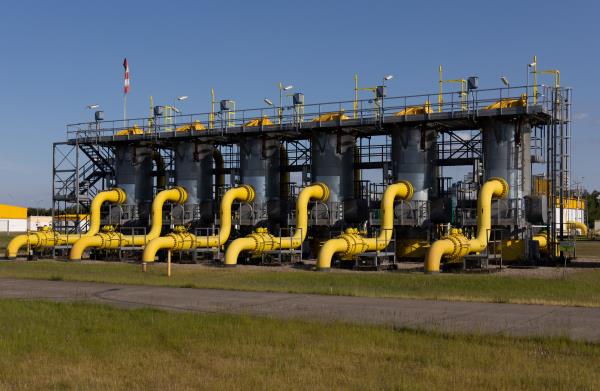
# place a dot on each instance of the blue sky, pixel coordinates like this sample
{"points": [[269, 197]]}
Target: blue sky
{"points": [[57, 57]]}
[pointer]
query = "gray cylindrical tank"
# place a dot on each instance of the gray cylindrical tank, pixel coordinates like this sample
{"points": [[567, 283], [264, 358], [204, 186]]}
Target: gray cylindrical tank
{"points": [[413, 159], [259, 167], [194, 171], [525, 133], [133, 174], [506, 154], [333, 164]]}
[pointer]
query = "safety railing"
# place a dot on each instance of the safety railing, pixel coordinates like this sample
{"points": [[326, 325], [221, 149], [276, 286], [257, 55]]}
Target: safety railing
{"points": [[407, 213], [250, 213], [325, 213], [177, 214], [504, 212], [368, 111]]}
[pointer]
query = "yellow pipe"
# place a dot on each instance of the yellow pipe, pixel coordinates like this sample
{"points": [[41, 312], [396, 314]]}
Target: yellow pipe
{"points": [[183, 240], [351, 243], [49, 238], [542, 239], [578, 225], [109, 239], [556, 74], [456, 245], [261, 240]]}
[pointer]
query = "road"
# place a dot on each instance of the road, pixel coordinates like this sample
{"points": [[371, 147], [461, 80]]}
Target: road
{"points": [[578, 323]]}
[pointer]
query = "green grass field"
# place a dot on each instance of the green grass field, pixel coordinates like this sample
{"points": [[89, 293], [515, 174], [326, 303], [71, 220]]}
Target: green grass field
{"points": [[63, 346], [587, 249], [578, 288]]}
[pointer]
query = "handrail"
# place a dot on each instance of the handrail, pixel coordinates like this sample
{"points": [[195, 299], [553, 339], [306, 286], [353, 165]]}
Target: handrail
{"points": [[480, 99]]}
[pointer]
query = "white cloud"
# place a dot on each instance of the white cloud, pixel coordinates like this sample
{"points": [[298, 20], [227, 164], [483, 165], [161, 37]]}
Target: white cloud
{"points": [[580, 116]]}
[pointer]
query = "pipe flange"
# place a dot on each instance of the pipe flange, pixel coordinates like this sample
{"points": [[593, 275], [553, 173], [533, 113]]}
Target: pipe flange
{"points": [[251, 192], [504, 185], [346, 238], [183, 195], [410, 189], [460, 246], [325, 189], [121, 195]]}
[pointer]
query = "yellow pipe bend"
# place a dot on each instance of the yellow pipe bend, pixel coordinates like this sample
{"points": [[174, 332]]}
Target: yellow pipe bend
{"points": [[351, 243], [492, 188], [114, 196], [49, 238], [115, 239], [248, 243], [262, 241], [186, 241], [19, 241], [437, 250], [329, 249], [542, 239]]}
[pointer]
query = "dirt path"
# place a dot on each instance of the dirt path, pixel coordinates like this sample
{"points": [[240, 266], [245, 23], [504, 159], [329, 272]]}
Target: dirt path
{"points": [[464, 317]]}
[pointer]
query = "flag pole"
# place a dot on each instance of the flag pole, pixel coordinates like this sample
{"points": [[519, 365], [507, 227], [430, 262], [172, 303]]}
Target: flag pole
{"points": [[125, 90]]}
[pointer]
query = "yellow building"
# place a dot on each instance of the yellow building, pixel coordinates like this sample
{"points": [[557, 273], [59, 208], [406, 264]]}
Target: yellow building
{"points": [[13, 218]]}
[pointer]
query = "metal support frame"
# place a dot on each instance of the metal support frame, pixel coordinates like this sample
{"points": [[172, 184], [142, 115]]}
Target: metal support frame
{"points": [[83, 165]]}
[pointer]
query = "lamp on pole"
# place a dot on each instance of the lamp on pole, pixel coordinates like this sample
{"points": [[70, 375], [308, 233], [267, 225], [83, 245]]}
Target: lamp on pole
{"points": [[269, 102], [378, 92], [281, 89], [506, 83], [533, 65], [179, 99]]}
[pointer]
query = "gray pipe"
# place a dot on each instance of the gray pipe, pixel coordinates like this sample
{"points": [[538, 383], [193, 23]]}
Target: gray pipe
{"points": [[504, 157], [259, 167], [133, 174], [333, 164], [194, 172], [413, 159]]}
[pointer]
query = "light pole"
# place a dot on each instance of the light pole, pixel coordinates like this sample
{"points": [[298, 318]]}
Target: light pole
{"points": [[180, 99], [534, 66], [385, 78], [506, 83], [98, 114], [378, 92], [281, 89], [535, 72], [269, 102]]}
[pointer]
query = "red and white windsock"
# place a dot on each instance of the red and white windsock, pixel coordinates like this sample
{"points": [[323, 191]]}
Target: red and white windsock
{"points": [[126, 83]]}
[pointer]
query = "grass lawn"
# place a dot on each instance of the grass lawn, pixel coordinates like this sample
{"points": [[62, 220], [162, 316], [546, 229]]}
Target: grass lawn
{"points": [[46, 345], [578, 288], [588, 249]]}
